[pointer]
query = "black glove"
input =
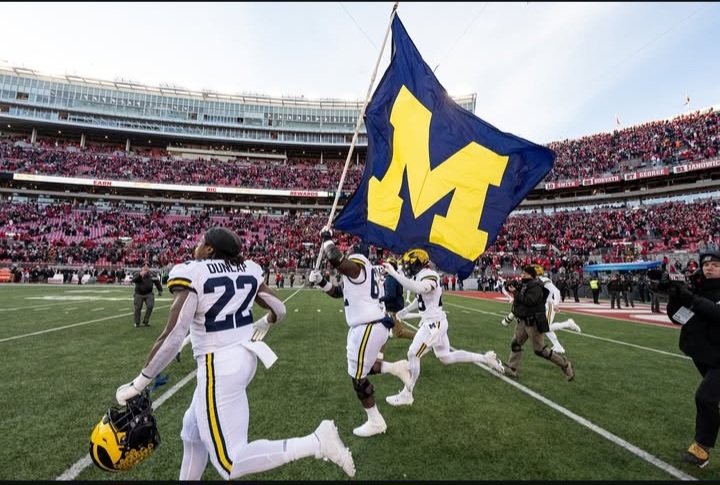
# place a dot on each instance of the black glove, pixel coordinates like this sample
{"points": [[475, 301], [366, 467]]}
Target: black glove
{"points": [[326, 234], [680, 291]]}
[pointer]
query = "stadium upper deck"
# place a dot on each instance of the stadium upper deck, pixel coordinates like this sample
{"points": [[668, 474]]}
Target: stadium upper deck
{"points": [[134, 110]]}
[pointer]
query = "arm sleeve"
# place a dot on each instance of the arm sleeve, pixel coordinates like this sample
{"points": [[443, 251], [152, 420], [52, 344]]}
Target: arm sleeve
{"points": [[275, 305], [412, 306], [426, 285], [553, 291], [173, 342]]}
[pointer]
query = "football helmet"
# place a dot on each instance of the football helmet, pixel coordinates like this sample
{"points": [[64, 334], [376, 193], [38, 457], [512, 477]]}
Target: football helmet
{"points": [[361, 248], [125, 436], [539, 270], [414, 260], [392, 262]]}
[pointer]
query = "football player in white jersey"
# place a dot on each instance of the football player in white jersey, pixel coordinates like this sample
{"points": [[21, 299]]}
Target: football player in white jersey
{"points": [[432, 334], [551, 306], [213, 300], [365, 315]]}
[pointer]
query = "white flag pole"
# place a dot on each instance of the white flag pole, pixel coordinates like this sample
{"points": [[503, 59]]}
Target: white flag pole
{"points": [[357, 127]]}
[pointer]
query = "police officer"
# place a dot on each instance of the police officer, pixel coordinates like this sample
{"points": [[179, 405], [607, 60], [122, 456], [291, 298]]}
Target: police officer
{"points": [[696, 308], [615, 289], [529, 310], [595, 288], [144, 282]]}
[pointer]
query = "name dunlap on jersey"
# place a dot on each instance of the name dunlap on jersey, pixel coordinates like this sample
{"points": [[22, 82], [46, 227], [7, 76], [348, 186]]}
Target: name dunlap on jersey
{"points": [[226, 294]]}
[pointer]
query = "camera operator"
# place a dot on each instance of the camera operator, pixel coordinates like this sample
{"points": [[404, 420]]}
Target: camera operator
{"points": [[529, 309], [696, 308]]}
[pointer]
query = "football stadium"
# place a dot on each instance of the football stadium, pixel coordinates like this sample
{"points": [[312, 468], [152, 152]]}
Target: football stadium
{"points": [[103, 182]]}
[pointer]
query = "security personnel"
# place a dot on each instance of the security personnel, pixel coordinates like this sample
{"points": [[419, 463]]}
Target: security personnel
{"points": [[615, 288], [696, 309], [144, 282], [529, 310], [595, 288]]}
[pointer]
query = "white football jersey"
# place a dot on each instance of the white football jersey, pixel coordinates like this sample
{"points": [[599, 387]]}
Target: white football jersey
{"points": [[362, 296], [226, 294], [430, 304], [554, 295]]}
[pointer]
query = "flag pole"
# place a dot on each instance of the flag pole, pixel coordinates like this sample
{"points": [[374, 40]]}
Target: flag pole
{"points": [[357, 127]]}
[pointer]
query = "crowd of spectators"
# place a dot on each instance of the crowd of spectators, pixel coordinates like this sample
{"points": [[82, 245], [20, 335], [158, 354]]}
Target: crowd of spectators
{"points": [[68, 234], [112, 163], [686, 138]]}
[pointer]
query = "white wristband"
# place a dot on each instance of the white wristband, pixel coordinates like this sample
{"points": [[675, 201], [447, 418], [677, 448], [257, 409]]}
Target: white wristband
{"points": [[141, 382]]}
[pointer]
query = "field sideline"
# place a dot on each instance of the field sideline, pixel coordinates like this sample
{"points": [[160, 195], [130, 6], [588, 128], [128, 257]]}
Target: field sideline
{"points": [[627, 416]]}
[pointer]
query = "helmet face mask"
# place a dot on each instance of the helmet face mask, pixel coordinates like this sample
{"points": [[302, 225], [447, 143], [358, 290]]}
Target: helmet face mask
{"points": [[125, 436], [414, 260]]}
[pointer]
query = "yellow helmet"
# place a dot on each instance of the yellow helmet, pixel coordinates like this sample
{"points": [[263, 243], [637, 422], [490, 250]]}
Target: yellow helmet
{"points": [[125, 436], [539, 270], [392, 261], [414, 260]]}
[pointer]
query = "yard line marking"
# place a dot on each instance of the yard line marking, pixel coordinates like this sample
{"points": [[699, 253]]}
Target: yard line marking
{"points": [[649, 349], [653, 460], [72, 472], [39, 307], [97, 309], [73, 325]]}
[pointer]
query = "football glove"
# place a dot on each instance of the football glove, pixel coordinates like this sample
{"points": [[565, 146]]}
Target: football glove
{"points": [[128, 391], [315, 277], [326, 233], [260, 329]]}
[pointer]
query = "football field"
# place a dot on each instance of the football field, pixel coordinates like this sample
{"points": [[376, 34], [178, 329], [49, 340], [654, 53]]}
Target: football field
{"points": [[628, 414]]}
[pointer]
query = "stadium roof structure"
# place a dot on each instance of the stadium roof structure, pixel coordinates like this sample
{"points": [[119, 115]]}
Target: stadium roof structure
{"points": [[634, 266]]}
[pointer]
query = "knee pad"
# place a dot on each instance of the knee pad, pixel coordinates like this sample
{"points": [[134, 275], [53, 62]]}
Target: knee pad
{"points": [[515, 346], [545, 353], [363, 388]]}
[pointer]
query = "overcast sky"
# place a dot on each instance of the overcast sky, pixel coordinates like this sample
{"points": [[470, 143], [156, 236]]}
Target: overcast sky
{"points": [[543, 71]]}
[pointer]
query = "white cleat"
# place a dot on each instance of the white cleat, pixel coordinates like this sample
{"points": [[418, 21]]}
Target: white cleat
{"points": [[370, 428], [574, 326], [404, 398], [332, 448], [558, 349], [404, 373], [492, 361]]}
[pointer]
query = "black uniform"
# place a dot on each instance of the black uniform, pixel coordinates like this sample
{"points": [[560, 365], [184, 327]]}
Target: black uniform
{"points": [[700, 340], [615, 288], [529, 309], [144, 293]]}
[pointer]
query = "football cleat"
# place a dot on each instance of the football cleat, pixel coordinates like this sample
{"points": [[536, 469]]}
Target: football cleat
{"points": [[332, 448], [403, 398], [574, 326], [371, 428], [492, 361], [569, 371], [558, 349]]}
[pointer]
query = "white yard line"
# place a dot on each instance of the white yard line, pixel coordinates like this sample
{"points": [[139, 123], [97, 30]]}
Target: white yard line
{"points": [[73, 325], [653, 460], [649, 349]]}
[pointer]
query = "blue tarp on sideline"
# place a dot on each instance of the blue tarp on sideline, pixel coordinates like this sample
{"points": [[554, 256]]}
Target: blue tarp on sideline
{"points": [[636, 266]]}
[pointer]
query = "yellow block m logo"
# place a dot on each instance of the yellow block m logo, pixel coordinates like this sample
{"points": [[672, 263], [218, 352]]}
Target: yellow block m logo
{"points": [[468, 172]]}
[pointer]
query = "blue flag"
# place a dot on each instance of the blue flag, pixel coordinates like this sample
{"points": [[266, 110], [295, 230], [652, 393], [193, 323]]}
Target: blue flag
{"points": [[436, 177]]}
